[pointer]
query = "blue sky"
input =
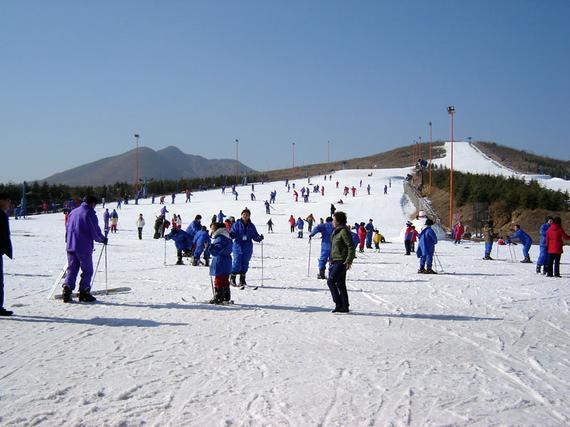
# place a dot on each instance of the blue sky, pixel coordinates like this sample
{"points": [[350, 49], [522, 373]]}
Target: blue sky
{"points": [[79, 78]]}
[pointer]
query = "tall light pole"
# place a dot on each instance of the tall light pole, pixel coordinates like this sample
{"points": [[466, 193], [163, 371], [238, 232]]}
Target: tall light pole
{"points": [[237, 161], [137, 164], [421, 151], [328, 151], [293, 154], [451, 112], [430, 158]]}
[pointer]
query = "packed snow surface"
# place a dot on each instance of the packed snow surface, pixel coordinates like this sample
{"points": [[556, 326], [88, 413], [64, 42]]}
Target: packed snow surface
{"points": [[468, 158], [486, 343]]}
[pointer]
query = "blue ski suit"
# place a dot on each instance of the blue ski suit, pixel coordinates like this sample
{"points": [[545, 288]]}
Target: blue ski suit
{"points": [[200, 240], [243, 235], [221, 250], [525, 240], [369, 230], [326, 231], [543, 258], [182, 240], [426, 247]]}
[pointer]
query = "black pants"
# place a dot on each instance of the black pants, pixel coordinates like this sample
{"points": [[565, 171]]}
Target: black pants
{"points": [[554, 262], [1, 281], [140, 233], [337, 284], [408, 246]]}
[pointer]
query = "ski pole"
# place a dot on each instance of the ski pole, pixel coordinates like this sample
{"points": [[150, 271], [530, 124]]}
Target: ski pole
{"points": [[58, 280], [262, 263], [212, 283], [106, 281], [309, 263], [438, 261], [164, 250], [97, 268]]}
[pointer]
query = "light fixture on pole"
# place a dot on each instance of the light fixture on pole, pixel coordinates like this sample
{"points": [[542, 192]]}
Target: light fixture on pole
{"points": [[451, 112], [137, 164], [237, 161], [430, 158]]}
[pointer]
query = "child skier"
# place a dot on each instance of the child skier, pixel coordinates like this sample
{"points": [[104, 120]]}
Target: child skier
{"points": [[292, 223], [201, 243], [300, 226], [408, 235], [488, 236], [426, 248], [361, 237], [377, 238], [543, 260], [270, 226], [221, 267], [526, 242], [183, 243], [459, 230]]}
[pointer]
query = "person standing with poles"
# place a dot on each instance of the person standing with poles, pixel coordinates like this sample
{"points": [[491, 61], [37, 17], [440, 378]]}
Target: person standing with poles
{"points": [[82, 230], [343, 252], [5, 247], [326, 231]]}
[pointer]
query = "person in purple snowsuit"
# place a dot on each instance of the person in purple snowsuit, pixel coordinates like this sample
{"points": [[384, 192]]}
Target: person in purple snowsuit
{"points": [[82, 229], [106, 216]]}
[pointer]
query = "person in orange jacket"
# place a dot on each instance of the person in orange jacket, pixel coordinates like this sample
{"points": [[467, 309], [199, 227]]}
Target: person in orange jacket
{"points": [[292, 222], [361, 237]]}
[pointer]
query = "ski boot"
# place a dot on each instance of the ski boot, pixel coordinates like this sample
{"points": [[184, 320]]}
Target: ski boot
{"points": [[85, 296], [233, 280], [526, 260], [226, 295], [66, 294], [4, 312], [538, 269], [430, 271], [242, 282], [179, 262], [421, 271], [207, 262], [195, 262], [218, 298]]}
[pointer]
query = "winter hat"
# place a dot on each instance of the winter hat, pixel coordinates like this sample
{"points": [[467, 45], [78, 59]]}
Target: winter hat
{"points": [[429, 222]]}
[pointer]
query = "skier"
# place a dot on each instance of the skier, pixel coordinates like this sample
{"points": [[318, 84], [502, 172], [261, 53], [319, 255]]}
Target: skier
{"points": [[368, 189], [408, 235], [243, 232], [361, 237], [459, 230], [360, 183], [342, 255], [385, 189], [426, 248], [488, 236], [310, 221], [300, 225], [333, 209], [525, 240], [188, 194], [369, 230], [353, 189], [377, 239], [270, 226], [164, 211], [543, 260], [236, 194], [554, 242], [106, 217], [160, 224], [296, 195], [326, 230], [195, 226], [173, 197], [140, 225], [221, 216], [114, 221], [267, 207], [252, 196], [337, 184], [292, 223], [183, 243], [5, 246], [82, 230], [323, 190], [221, 267], [201, 245]]}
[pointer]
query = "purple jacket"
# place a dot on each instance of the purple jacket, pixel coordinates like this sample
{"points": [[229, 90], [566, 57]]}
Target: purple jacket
{"points": [[82, 229]]}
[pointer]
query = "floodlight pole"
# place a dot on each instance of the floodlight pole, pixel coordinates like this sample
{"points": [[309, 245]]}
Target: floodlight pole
{"points": [[293, 149], [237, 161], [451, 112], [430, 158], [137, 164]]}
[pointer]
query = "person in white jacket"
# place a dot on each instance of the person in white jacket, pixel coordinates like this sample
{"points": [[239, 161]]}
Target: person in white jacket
{"points": [[140, 225]]}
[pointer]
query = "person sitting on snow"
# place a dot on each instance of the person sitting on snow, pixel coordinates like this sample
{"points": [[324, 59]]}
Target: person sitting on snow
{"points": [[426, 248]]}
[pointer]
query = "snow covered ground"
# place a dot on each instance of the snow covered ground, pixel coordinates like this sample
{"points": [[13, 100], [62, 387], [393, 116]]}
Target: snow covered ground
{"points": [[486, 343], [468, 158]]}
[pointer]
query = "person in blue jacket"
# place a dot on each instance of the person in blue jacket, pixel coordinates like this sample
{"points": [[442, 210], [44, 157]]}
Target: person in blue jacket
{"points": [[244, 233], [543, 258], [201, 245], [426, 248], [221, 216], [525, 240], [369, 230], [326, 231], [182, 241], [300, 225], [221, 267], [355, 238]]}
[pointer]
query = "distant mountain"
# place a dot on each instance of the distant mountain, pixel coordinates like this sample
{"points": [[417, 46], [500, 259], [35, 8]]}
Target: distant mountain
{"points": [[170, 163]]}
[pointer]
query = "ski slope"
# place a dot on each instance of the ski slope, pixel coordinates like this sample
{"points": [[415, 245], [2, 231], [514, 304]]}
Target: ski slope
{"points": [[487, 343], [468, 158]]}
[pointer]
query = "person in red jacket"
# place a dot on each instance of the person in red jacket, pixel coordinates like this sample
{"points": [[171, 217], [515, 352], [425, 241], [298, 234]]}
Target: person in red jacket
{"points": [[459, 230], [361, 237], [554, 242], [414, 238], [292, 222]]}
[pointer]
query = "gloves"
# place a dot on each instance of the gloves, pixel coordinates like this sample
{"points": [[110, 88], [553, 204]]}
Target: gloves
{"points": [[105, 240], [261, 237]]}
